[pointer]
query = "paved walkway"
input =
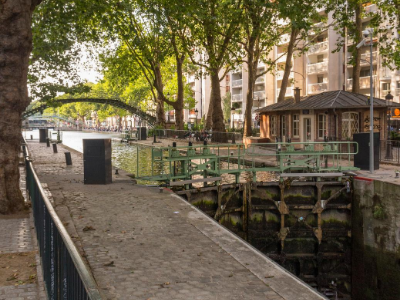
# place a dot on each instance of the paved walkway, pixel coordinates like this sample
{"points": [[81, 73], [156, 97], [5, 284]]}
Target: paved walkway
{"points": [[143, 244], [16, 237]]}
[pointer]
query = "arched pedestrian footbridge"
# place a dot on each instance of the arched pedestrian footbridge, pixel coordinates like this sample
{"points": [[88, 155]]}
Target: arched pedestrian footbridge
{"points": [[113, 102]]}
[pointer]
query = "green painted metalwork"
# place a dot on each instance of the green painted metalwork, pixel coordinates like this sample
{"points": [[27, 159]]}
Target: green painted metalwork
{"points": [[187, 162], [129, 135], [113, 102]]}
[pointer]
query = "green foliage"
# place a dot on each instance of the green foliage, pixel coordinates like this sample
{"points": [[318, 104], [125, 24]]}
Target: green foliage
{"points": [[379, 212], [60, 30]]}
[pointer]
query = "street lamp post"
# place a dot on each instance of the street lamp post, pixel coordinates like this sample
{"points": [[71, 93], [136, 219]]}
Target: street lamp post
{"points": [[196, 113], [371, 110], [233, 118], [368, 33], [389, 154]]}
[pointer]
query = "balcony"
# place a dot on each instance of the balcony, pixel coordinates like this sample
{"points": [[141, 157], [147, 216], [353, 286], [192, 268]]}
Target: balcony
{"points": [[237, 97], [321, 67], [260, 80], [259, 95], [365, 58], [318, 48], [364, 82], [237, 83], [315, 88], [237, 117], [386, 73], [237, 70], [289, 92], [284, 39], [260, 64], [317, 28], [370, 9], [279, 75], [281, 59]]}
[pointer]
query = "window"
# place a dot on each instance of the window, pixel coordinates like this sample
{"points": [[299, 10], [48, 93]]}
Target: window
{"points": [[320, 79], [365, 73], [296, 127], [398, 84], [386, 86], [350, 124], [320, 58], [272, 125], [283, 125], [321, 125]]}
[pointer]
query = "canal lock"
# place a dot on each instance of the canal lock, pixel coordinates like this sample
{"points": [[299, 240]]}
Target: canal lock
{"points": [[304, 226]]}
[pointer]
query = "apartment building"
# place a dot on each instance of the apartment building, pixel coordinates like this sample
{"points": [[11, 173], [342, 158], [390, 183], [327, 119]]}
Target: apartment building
{"points": [[318, 70], [200, 84]]}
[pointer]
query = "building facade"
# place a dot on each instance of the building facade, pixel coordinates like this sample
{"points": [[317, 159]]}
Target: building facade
{"points": [[314, 71]]}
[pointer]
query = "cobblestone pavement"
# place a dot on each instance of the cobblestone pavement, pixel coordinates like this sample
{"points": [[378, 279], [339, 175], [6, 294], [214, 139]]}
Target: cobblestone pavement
{"points": [[20, 292], [143, 244], [16, 237]]}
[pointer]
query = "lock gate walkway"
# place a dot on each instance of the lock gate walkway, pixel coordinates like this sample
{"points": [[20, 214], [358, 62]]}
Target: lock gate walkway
{"points": [[144, 244]]}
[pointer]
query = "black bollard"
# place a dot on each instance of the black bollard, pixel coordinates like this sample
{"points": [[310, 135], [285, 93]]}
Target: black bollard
{"points": [[68, 159], [174, 144], [205, 143], [190, 144], [48, 142], [233, 138], [154, 138], [55, 148], [31, 137]]}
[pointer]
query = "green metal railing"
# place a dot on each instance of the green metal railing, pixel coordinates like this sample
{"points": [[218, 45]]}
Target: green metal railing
{"points": [[184, 162]]}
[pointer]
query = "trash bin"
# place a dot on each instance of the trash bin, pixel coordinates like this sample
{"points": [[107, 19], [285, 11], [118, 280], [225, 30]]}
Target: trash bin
{"points": [[142, 133], [43, 134], [97, 167], [361, 159]]}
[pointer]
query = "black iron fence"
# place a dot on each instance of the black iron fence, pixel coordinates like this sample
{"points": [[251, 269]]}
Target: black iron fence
{"points": [[65, 274], [213, 136], [389, 151]]}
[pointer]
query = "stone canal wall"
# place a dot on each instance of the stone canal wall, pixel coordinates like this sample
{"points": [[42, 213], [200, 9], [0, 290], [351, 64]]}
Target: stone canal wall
{"points": [[376, 240]]}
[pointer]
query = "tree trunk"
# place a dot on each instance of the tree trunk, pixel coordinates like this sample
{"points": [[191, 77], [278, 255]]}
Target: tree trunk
{"points": [[160, 113], [251, 69], [288, 64], [158, 84], [178, 105], [357, 52], [216, 103], [15, 47], [119, 123], [209, 122]]}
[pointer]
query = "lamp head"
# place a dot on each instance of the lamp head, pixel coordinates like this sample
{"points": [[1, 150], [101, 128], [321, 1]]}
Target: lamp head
{"points": [[389, 96], [366, 33]]}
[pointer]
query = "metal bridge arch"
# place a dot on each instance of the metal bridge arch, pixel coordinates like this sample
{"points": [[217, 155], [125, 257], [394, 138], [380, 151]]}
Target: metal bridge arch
{"points": [[113, 102]]}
